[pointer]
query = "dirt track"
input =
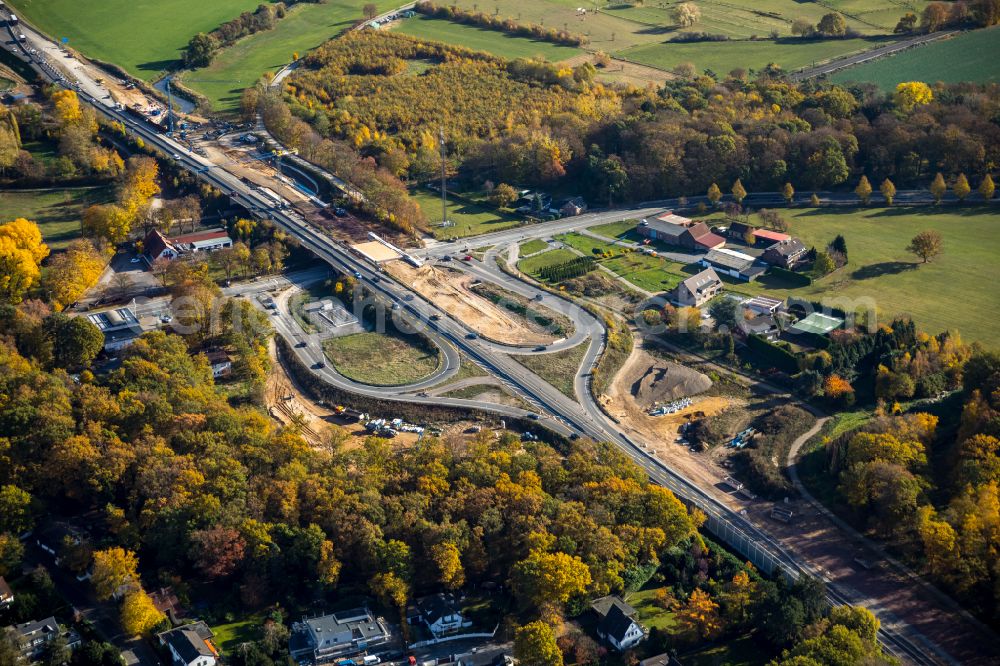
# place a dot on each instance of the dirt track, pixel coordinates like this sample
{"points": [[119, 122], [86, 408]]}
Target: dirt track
{"points": [[450, 291]]}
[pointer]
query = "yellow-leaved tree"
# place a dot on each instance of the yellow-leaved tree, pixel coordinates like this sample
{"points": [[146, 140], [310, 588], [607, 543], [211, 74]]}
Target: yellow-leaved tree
{"points": [[138, 614], [700, 617], [67, 106], [21, 252], [911, 94], [73, 272], [114, 570]]}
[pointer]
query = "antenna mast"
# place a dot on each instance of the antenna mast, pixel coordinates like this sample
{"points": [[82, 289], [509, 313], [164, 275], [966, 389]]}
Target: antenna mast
{"points": [[444, 180]]}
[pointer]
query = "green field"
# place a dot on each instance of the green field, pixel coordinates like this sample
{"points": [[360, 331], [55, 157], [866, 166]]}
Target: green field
{"points": [[649, 614], [230, 636], [948, 293], [145, 37], [56, 211], [652, 274], [305, 27], [557, 368], [723, 57], [381, 360], [534, 265], [491, 41], [971, 56], [469, 218]]}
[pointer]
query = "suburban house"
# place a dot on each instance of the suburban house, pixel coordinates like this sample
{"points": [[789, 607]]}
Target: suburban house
{"points": [[785, 253], [764, 326], [572, 207], [616, 623], [190, 645], [676, 230], [698, 289], [32, 637], [222, 365], [6, 594], [54, 536], [764, 305], [734, 264], [120, 327], [321, 639], [440, 613], [768, 237], [203, 241], [156, 246]]}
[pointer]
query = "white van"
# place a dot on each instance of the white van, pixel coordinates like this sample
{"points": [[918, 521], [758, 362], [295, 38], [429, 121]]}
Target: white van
{"points": [[371, 659]]}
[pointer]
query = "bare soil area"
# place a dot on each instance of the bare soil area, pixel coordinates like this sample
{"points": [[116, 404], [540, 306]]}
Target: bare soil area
{"points": [[658, 434], [622, 70], [450, 291]]}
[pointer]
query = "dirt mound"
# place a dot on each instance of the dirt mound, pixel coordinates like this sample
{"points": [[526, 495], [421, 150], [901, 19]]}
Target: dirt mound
{"points": [[664, 382]]}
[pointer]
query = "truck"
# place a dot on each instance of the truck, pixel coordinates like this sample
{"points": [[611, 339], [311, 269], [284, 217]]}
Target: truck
{"points": [[13, 19]]}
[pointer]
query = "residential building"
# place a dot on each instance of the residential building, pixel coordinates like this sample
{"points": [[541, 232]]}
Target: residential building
{"points": [[156, 246], [6, 594], [738, 230], [32, 637], [54, 536], [120, 327], [222, 365], [203, 241], [190, 645], [734, 264], [441, 615], [342, 634], [785, 253], [616, 623], [676, 230], [764, 326], [572, 207], [698, 289], [768, 237]]}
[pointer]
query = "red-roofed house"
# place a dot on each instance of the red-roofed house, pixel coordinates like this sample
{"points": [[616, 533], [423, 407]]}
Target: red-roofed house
{"points": [[156, 246], [769, 236], [203, 241], [699, 237]]}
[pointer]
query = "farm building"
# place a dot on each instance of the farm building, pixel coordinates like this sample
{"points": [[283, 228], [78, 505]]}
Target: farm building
{"points": [[819, 324], [766, 236], [785, 253], [734, 264], [698, 289], [203, 241], [682, 232]]}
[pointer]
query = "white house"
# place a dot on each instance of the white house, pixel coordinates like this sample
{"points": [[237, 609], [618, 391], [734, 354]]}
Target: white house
{"points": [[222, 365], [617, 624], [441, 615], [329, 637], [190, 645]]}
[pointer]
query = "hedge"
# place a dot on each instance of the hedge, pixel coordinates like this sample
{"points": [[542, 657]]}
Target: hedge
{"points": [[770, 355], [798, 279]]}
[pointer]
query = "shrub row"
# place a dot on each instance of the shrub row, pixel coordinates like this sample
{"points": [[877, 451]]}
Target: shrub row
{"points": [[507, 25], [798, 279], [769, 355], [685, 37]]}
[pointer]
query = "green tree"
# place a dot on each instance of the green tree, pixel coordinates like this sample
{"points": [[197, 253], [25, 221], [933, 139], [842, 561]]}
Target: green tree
{"points": [[76, 341], [200, 50], [714, 194], [739, 192], [938, 187], [961, 187], [888, 190], [11, 553], [15, 509], [535, 645], [986, 187], [824, 263], [832, 25], [504, 195], [864, 190], [726, 312], [926, 245]]}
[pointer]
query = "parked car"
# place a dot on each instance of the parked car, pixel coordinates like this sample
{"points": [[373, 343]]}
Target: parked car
{"points": [[340, 212]]}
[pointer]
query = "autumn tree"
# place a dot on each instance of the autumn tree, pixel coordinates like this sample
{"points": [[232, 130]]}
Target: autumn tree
{"points": [[739, 192], [535, 645], [832, 25], [370, 10], [699, 617], [21, 253], [447, 559], [864, 190], [138, 614], [824, 263], [987, 188], [927, 245], [838, 389], [910, 94], [504, 195], [15, 509], [218, 551], [72, 272], [938, 187], [714, 194], [544, 578], [934, 16], [114, 568], [888, 190], [788, 192], [76, 341], [961, 187], [686, 14]]}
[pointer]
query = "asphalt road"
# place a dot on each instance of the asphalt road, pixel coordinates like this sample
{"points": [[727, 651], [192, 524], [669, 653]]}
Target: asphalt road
{"points": [[873, 54]]}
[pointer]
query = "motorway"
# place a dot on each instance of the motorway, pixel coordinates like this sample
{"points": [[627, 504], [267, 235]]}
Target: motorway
{"points": [[584, 418]]}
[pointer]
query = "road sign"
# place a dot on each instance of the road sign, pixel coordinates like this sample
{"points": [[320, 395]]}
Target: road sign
{"points": [[65, 40]]}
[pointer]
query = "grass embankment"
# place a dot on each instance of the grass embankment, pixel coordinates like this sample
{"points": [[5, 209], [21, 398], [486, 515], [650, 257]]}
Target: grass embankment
{"points": [[970, 56], [145, 38], [532, 246], [57, 211], [557, 368], [469, 219], [382, 359], [305, 26], [534, 265]]}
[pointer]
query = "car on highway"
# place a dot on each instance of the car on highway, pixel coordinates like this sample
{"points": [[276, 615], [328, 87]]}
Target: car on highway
{"points": [[541, 348], [176, 156], [533, 417], [446, 258], [471, 336], [319, 364], [467, 257], [301, 344], [357, 274], [435, 317]]}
